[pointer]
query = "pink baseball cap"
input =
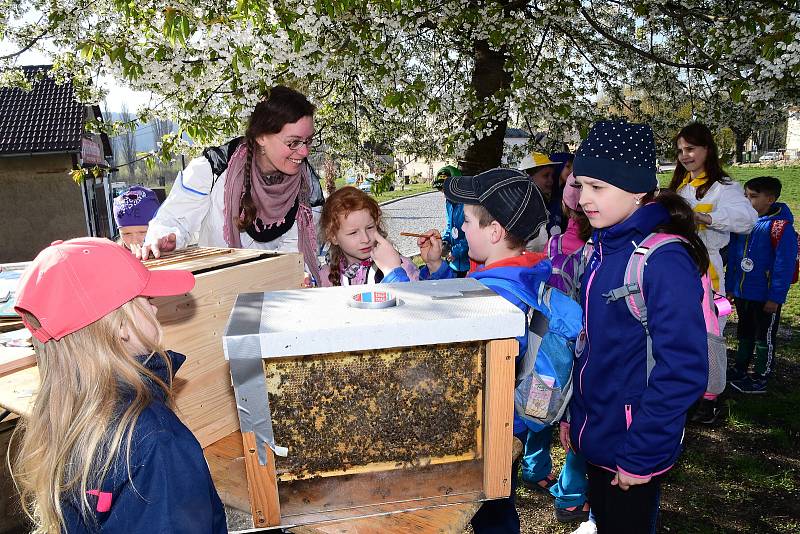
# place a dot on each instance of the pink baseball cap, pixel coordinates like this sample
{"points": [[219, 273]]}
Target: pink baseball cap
{"points": [[72, 284], [571, 194]]}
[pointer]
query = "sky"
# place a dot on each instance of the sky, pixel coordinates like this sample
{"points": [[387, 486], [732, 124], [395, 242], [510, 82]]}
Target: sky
{"points": [[117, 93]]}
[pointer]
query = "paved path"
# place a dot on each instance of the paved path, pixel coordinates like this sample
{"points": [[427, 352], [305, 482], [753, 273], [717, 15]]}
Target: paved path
{"points": [[414, 214]]}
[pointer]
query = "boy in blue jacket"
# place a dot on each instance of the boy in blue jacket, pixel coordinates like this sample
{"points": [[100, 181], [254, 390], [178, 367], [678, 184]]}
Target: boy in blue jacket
{"points": [[502, 210], [761, 266]]}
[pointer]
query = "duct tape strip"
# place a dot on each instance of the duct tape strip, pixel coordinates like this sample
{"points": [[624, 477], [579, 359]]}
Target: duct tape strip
{"points": [[247, 372]]}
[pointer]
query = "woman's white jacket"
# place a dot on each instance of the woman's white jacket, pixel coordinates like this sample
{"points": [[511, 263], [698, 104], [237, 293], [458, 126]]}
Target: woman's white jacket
{"points": [[194, 211]]}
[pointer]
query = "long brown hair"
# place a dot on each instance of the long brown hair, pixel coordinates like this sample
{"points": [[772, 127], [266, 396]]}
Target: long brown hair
{"points": [[280, 107], [699, 134], [339, 205], [79, 425], [681, 222]]}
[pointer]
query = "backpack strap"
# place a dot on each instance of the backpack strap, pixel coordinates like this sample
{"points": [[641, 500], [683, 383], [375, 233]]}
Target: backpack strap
{"points": [[554, 246], [776, 229], [632, 287], [538, 323]]}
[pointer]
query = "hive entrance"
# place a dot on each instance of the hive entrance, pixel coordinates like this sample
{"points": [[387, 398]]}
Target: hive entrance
{"points": [[376, 410]]}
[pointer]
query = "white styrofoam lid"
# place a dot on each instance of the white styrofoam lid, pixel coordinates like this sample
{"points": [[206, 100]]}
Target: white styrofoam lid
{"points": [[317, 321]]}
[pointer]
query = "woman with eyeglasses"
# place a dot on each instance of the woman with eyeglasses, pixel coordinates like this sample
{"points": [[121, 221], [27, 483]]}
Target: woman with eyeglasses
{"points": [[257, 191]]}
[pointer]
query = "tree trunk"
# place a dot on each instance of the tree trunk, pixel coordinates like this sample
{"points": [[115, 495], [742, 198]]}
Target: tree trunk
{"points": [[489, 78], [741, 139]]}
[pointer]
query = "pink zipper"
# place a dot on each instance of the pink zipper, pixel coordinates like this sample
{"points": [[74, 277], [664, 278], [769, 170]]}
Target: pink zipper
{"points": [[628, 416]]}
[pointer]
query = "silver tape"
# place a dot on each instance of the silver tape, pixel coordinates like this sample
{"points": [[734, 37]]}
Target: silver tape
{"points": [[247, 371]]}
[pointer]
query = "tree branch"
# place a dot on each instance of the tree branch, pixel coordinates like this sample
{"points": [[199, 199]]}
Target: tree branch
{"points": [[643, 53]]}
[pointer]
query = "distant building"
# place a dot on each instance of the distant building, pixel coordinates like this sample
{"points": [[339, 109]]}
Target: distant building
{"points": [[793, 134], [43, 138]]}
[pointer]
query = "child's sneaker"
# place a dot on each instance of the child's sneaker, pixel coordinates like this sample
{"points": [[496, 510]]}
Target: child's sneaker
{"points": [[587, 527], [572, 514], [750, 386], [707, 412], [733, 374]]}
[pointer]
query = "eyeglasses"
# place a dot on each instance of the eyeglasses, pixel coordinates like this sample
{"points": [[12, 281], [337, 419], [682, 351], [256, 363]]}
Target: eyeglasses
{"points": [[311, 142]]}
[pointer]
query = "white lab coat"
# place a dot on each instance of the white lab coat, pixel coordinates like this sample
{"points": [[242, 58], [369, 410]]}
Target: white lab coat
{"points": [[194, 212], [730, 211]]}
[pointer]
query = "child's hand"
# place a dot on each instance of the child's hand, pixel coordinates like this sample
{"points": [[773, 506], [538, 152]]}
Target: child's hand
{"points": [[430, 249], [308, 281], [770, 306], [563, 436], [625, 482], [384, 255]]}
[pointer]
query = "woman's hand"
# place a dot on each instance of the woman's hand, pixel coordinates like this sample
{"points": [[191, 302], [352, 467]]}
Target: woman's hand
{"points": [[164, 244], [386, 258], [430, 249], [625, 482]]}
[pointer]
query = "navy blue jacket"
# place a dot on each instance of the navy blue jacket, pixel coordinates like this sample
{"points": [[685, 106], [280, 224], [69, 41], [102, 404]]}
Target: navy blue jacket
{"points": [[170, 489], [773, 267], [619, 421]]}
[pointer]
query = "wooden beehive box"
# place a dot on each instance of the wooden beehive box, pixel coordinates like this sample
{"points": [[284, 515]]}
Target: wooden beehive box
{"points": [[194, 324], [348, 412]]}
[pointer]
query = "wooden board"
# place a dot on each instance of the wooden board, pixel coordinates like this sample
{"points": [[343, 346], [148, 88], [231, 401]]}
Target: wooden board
{"points": [[225, 460], [447, 519], [451, 519], [262, 484], [499, 412], [194, 325], [13, 359], [202, 259], [18, 391]]}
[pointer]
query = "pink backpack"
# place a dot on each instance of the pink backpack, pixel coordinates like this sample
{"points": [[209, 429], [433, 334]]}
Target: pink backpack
{"points": [[714, 306]]}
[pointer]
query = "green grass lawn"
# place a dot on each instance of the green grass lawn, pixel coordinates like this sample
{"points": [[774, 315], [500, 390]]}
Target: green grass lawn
{"points": [[407, 190]]}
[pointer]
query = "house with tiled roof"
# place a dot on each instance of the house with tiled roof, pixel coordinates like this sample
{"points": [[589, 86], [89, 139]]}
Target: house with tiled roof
{"points": [[42, 139]]}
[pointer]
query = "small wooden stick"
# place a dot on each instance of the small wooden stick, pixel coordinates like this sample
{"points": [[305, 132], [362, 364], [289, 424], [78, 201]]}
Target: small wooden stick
{"points": [[411, 234]]}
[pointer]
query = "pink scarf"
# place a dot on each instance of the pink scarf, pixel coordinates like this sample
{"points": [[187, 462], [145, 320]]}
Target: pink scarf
{"points": [[273, 201]]}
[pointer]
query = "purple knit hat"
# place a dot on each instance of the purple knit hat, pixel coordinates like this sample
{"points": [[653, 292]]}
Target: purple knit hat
{"points": [[135, 206]]}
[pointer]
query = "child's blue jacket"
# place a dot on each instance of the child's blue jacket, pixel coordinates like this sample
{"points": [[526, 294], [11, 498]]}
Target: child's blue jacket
{"points": [[527, 272], [619, 420], [773, 267], [170, 488], [455, 237]]}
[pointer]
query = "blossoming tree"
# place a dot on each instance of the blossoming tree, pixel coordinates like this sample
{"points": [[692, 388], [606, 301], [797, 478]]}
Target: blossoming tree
{"points": [[421, 76]]}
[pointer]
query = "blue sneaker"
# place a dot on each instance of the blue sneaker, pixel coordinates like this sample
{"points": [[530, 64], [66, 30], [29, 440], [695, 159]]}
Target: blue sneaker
{"points": [[734, 374], [750, 386]]}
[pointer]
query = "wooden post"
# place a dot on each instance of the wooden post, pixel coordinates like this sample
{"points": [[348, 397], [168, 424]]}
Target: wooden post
{"points": [[498, 433], [262, 484]]}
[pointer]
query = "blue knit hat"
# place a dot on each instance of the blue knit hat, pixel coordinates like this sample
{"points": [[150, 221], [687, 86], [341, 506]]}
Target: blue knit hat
{"points": [[135, 206], [621, 154]]}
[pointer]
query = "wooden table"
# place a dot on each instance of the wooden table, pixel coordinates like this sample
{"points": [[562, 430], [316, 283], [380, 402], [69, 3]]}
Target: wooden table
{"points": [[226, 463]]}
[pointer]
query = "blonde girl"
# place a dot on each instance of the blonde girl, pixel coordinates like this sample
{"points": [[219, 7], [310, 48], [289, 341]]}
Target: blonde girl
{"points": [[359, 252], [102, 449]]}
